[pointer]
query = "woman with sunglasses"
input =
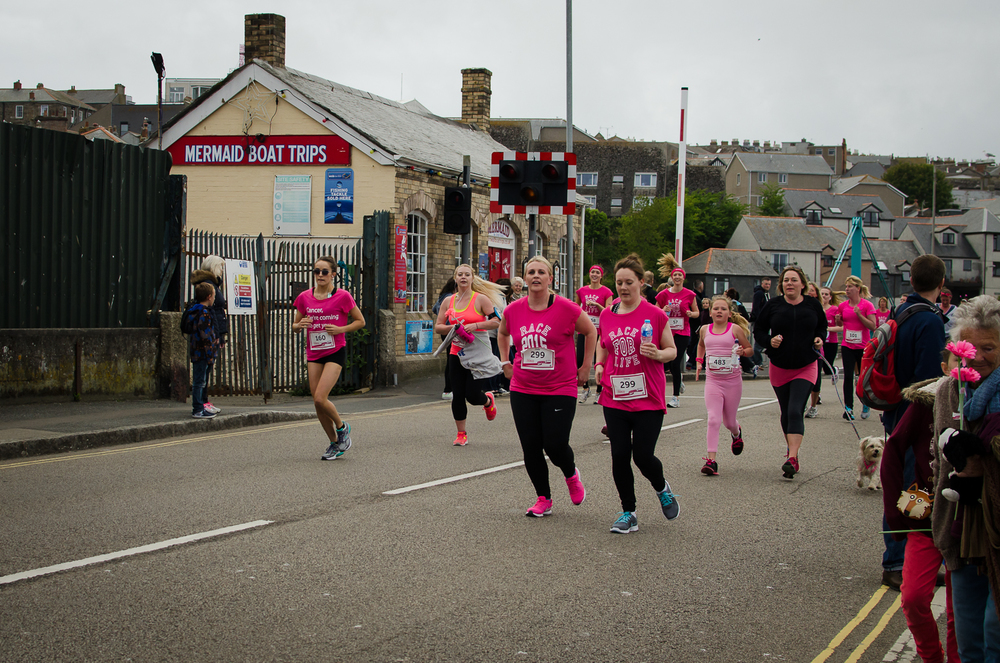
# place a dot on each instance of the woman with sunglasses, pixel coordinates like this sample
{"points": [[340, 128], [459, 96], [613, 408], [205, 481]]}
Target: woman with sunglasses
{"points": [[327, 313]]}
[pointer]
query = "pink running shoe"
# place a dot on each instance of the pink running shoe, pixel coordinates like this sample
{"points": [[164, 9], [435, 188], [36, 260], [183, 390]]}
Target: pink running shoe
{"points": [[490, 408], [543, 507], [461, 439], [577, 493]]}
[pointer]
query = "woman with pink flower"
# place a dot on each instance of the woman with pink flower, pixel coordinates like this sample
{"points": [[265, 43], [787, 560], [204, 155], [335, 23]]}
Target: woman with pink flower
{"points": [[967, 536]]}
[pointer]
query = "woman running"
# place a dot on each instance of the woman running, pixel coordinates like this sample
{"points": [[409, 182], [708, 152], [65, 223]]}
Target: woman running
{"points": [[830, 301], [813, 290], [680, 305], [791, 329], [882, 314], [720, 345], [857, 316], [543, 379], [474, 307], [327, 313], [592, 298], [630, 358]]}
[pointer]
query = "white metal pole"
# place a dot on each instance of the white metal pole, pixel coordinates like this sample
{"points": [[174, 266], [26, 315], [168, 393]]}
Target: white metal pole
{"points": [[568, 269], [681, 174]]}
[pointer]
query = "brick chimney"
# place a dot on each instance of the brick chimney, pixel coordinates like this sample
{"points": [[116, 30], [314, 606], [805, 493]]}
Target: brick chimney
{"points": [[17, 85], [476, 93], [264, 38]]}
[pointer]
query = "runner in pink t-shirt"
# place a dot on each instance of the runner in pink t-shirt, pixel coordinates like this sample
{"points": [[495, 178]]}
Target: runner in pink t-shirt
{"points": [[680, 304], [543, 379], [882, 313], [326, 314], [593, 299], [857, 315], [629, 368]]}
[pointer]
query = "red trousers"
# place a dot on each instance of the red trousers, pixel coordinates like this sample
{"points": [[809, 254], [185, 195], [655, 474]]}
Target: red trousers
{"points": [[920, 569]]}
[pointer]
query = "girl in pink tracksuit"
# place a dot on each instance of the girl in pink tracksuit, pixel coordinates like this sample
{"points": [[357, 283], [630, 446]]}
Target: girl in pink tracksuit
{"points": [[720, 346]]}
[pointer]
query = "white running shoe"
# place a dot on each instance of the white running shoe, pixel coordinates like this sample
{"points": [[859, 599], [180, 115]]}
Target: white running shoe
{"points": [[585, 396], [674, 402], [446, 396], [812, 412]]}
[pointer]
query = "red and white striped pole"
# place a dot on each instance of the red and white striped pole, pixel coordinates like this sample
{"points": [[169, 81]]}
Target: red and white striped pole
{"points": [[681, 173]]}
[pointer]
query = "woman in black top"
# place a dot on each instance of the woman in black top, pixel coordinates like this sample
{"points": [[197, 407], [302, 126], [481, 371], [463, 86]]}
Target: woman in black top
{"points": [[791, 329]]}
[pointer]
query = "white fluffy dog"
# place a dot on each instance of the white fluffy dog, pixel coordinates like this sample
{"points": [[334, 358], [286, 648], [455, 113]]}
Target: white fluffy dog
{"points": [[870, 462]]}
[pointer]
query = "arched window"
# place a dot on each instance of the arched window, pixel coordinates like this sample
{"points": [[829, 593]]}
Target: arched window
{"points": [[416, 262]]}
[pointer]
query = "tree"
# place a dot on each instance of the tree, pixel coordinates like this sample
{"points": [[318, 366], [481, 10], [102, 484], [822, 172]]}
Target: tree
{"points": [[772, 201], [916, 181], [601, 243]]}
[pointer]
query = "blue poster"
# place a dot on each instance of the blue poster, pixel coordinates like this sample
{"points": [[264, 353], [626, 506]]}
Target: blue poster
{"points": [[484, 265], [339, 196]]}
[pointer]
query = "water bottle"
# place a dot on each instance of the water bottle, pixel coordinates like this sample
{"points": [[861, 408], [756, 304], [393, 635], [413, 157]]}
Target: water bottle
{"points": [[647, 332]]}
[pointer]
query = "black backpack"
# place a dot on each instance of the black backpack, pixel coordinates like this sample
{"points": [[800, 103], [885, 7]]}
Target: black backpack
{"points": [[189, 322]]}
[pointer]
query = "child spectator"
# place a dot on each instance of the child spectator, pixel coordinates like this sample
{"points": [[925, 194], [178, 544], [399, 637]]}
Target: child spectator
{"points": [[203, 344]]}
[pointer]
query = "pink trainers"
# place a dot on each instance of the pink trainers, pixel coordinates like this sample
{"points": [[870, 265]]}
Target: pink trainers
{"points": [[577, 493], [490, 408], [543, 507], [461, 439]]}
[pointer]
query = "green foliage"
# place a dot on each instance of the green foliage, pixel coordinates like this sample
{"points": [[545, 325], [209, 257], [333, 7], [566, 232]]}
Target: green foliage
{"points": [[709, 221], [601, 244], [916, 181], [772, 201]]}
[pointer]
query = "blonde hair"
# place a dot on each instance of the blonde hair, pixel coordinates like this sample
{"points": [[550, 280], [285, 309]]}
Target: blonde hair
{"points": [[854, 280], [836, 296], [667, 264], [548, 265], [812, 284], [734, 314], [495, 293]]}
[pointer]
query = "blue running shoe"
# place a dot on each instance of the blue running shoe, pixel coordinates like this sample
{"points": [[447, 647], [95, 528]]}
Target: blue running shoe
{"points": [[865, 411], [626, 523], [668, 502], [343, 438]]}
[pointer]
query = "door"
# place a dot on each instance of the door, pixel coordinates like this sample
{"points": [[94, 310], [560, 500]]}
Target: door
{"points": [[499, 264]]}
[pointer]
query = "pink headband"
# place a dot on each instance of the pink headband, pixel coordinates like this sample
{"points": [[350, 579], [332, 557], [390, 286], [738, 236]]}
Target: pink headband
{"points": [[678, 269], [598, 268]]}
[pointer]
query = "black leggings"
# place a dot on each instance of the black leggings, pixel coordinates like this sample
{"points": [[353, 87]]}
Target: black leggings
{"points": [[633, 437], [676, 366], [792, 397], [830, 354], [851, 358], [464, 388], [581, 345], [543, 423]]}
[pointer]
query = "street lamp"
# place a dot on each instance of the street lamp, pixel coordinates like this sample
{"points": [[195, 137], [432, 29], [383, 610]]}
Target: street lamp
{"points": [[158, 66]]}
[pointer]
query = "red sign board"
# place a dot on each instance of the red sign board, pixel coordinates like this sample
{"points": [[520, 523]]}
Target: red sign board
{"points": [[400, 289], [249, 151]]}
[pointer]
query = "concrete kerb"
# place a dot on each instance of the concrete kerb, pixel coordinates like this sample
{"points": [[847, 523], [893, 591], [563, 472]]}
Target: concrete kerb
{"points": [[144, 433]]}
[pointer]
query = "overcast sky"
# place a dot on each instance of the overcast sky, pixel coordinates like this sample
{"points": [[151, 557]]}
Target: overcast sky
{"points": [[904, 77]]}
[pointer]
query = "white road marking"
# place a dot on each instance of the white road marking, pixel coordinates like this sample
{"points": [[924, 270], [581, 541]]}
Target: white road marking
{"points": [[460, 477], [749, 407], [24, 575]]}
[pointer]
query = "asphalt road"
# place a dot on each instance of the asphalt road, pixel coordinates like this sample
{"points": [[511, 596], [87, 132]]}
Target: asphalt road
{"points": [[338, 563]]}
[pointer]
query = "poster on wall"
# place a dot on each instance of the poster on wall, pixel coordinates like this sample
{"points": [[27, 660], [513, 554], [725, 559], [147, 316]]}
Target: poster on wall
{"points": [[484, 265], [339, 196], [241, 287], [400, 286], [556, 277], [419, 336], [292, 196]]}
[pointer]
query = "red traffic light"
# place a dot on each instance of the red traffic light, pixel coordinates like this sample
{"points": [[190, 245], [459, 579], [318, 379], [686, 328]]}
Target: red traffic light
{"points": [[550, 172], [511, 172]]}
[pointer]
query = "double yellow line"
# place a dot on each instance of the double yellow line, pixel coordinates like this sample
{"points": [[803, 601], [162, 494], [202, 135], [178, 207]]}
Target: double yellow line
{"points": [[853, 624]]}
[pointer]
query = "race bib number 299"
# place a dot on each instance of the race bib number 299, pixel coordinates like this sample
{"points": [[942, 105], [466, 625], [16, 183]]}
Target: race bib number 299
{"points": [[628, 387]]}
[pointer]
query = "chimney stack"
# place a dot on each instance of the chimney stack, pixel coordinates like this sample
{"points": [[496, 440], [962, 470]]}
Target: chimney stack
{"points": [[264, 37], [17, 85], [476, 93]]}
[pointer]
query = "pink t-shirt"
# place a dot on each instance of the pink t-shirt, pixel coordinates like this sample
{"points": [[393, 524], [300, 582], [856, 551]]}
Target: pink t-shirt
{"points": [[588, 296], [831, 321], [631, 381], [333, 310], [856, 335], [676, 305], [545, 362], [720, 364], [881, 316]]}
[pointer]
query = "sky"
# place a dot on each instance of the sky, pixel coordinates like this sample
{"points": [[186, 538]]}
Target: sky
{"points": [[902, 77]]}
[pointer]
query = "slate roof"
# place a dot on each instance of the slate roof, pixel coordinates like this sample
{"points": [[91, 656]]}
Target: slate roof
{"points": [[992, 204], [884, 159], [980, 220], [892, 252], [960, 250], [42, 96], [849, 205], [742, 262], [793, 164], [872, 168], [845, 184], [790, 234]]}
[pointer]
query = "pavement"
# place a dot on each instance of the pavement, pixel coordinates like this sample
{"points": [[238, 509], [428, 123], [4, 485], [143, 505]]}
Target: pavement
{"points": [[46, 426]]}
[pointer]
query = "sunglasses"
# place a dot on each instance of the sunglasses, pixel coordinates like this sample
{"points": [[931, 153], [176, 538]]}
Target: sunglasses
{"points": [[324, 272]]}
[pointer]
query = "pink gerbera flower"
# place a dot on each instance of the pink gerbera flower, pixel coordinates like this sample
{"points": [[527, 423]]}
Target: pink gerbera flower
{"points": [[966, 374], [962, 349]]}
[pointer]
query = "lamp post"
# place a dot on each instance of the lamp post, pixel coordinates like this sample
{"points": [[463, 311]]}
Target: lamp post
{"points": [[158, 66]]}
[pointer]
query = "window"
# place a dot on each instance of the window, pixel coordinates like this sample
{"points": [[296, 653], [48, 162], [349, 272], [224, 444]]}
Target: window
{"points": [[616, 202], [782, 178], [586, 179], [640, 202], [870, 219], [43, 110], [592, 201], [197, 91], [72, 116], [819, 151], [175, 95], [828, 261], [618, 179], [947, 269], [645, 179], [539, 244], [737, 179], [762, 178], [966, 265], [996, 242], [123, 128], [720, 287], [996, 269], [814, 217], [458, 250], [779, 261], [416, 263], [832, 151], [18, 112], [904, 274], [563, 261], [948, 238]]}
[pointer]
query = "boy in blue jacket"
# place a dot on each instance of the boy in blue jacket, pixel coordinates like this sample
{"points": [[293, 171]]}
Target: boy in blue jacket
{"points": [[203, 344]]}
